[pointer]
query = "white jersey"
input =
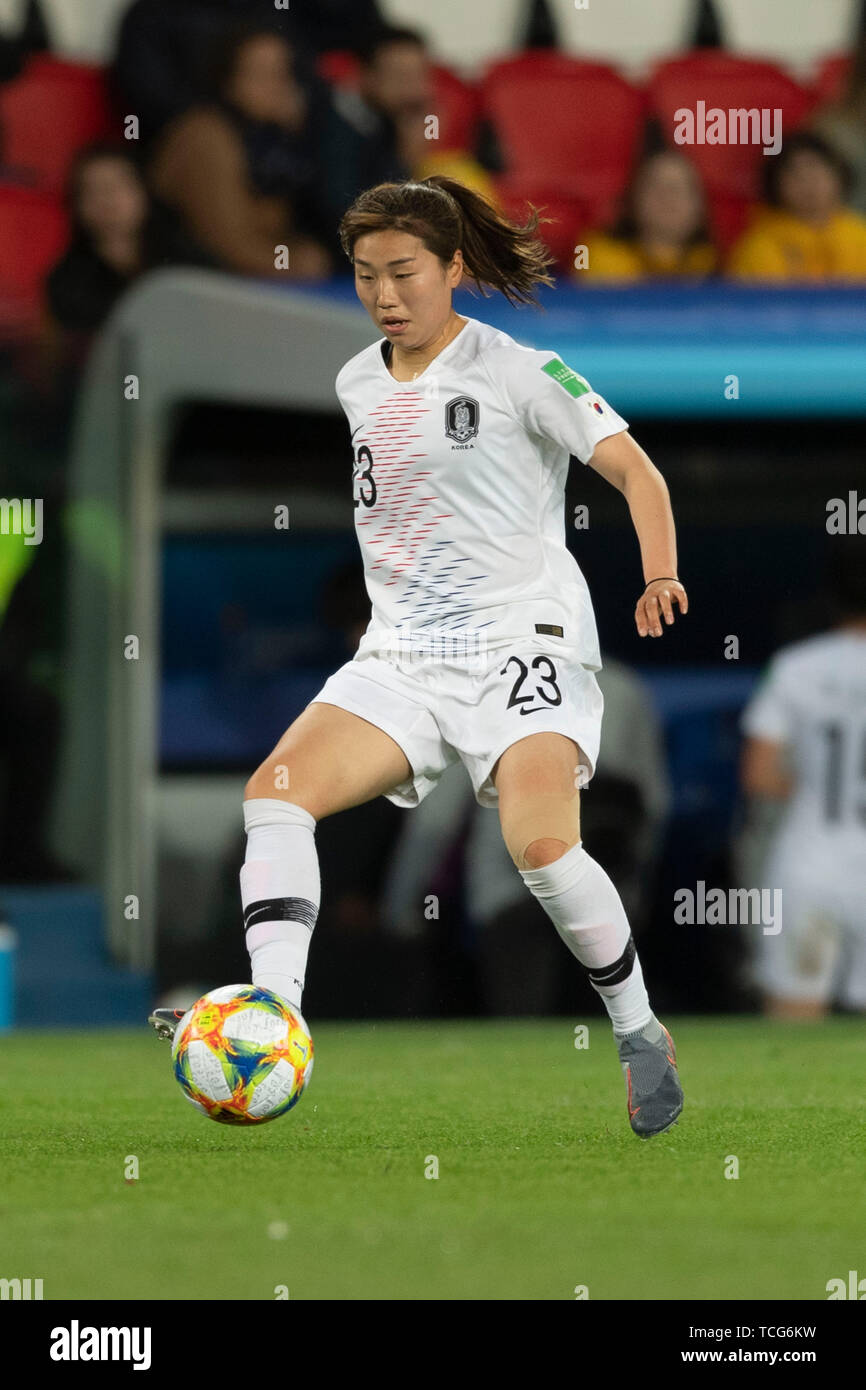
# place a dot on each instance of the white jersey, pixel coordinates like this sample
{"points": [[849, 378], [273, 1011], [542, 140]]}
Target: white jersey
{"points": [[812, 699], [459, 487]]}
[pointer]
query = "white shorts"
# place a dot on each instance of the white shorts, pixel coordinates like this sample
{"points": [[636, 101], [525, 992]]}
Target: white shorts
{"points": [[820, 952], [439, 711]]}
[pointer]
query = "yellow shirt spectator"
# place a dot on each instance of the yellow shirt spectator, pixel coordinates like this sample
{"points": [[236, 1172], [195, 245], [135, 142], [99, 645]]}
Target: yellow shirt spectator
{"points": [[781, 246], [662, 232], [615, 258]]}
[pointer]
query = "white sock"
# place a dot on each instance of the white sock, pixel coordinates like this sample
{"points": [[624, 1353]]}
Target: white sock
{"points": [[584, 906], [280, 892]]}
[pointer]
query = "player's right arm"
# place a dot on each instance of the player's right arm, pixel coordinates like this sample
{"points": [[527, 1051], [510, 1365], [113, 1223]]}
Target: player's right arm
{"points": [[768, 723], [763, 770]]}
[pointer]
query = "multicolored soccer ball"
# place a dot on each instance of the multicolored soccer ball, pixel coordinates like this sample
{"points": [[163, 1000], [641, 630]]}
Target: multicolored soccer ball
{"points": [[242, 1055]]}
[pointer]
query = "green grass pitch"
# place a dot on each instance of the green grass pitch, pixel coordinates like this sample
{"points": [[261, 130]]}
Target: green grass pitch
{"points": [[542, 1187]]}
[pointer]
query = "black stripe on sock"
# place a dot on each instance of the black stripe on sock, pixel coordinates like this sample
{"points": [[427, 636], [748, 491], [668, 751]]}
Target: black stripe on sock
{"points": [[619, 971], [281, 910]]}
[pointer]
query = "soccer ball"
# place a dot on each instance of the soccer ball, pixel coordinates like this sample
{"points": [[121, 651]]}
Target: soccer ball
{"points": [[242, 1055]]}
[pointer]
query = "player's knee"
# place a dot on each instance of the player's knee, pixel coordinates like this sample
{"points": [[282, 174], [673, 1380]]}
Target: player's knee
{"points": [[537, 834], [541, 852]]}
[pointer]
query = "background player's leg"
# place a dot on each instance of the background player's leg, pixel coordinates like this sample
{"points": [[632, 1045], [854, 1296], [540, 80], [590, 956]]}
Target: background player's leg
{"points": [[800, 968], [537, 782], [327, 761], [795, 1010]]}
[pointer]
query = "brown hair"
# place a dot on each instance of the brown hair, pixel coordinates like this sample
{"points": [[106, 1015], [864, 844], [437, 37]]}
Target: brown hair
{"points": [[446, 215]]}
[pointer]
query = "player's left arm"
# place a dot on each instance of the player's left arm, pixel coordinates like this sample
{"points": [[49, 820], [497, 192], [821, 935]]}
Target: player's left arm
{"points": [[622, 462], [550, 399]]}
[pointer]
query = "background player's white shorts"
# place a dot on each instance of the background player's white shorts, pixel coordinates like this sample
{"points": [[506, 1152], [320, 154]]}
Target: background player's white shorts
{"points": [[820, 953], [439, 711]]}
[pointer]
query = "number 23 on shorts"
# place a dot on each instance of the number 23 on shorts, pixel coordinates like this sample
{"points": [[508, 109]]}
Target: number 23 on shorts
{"points": [[542, 680]]}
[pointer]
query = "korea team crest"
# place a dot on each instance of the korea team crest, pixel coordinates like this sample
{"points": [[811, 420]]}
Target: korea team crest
{"points": [[461, 419]]}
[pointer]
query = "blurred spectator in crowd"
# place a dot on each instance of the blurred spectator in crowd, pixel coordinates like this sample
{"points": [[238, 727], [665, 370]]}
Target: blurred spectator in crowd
{"points": [[377, 132], [842, 124], [241, 170], [117, 233], [22, 32], [379, 135], [663, 231], [805, 746], [623, 812], [163, 45], [805, 230]]}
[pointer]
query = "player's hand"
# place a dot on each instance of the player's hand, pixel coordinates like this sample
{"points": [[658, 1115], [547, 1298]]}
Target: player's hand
{"points": [[658, 598]]}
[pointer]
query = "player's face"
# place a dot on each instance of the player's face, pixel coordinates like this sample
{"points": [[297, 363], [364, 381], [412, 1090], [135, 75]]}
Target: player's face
{"points": [[405, 289]]}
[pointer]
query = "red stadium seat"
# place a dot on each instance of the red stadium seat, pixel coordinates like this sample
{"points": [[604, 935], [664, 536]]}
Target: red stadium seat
{"points": [[33, 235], [48, 113], [832, 76], [564, 124], [728, 218], [726, 81], [458, 108], [339, 66]]}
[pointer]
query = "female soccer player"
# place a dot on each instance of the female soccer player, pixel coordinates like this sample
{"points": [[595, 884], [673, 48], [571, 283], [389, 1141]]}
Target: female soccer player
{"points": [[482, 642]]}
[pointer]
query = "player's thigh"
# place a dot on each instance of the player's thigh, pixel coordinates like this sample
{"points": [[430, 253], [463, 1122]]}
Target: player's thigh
{"points": [[537, 781], [329, 760]]}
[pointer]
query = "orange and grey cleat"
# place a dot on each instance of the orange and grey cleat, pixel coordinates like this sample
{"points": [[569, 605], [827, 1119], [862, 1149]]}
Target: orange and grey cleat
{"points": [[649, 1064]]}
